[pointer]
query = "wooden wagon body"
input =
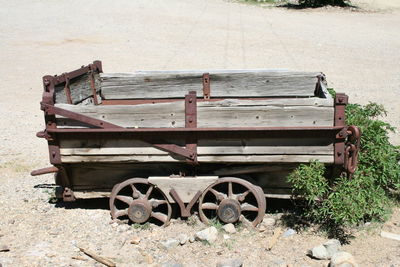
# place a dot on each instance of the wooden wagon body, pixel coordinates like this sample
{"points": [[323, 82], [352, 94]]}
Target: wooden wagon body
{"points": [[183, 131]]}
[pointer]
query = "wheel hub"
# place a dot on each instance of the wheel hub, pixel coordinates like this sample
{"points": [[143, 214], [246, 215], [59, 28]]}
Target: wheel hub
{"points": [[139, 211], [229, 210]]}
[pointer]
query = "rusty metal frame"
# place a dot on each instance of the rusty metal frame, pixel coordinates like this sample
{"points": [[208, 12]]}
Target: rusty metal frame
{"points": [[185, 210]]}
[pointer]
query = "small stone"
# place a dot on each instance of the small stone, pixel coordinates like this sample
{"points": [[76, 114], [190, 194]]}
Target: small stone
{"points": [[135, 240], [183, 239], [230, 263], [172, 264], [319, 252], [149, 259], [226, 236], [229, 228], [170, 243], [262, 228], [289, 232], [114, 224], [268, 222], [332, 246], [192, 239], [342, 259], [209, 234]]}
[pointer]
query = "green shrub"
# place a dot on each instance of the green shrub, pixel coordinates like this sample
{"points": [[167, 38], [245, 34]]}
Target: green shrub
{"points": [[367, 194]]}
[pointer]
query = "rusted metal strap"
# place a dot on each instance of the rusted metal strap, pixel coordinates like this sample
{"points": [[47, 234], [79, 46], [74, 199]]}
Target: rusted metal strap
{"points": [[67, 90], [185, 210], [44, 171], [50, 109], [191, 122], [185, 152], [340, 120], [206, 86], [92, 68], [95, 66]]}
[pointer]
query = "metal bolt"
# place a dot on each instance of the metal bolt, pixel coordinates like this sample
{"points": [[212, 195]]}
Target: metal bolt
{"points": [[339, 154], [190, 100], [341, 99]]}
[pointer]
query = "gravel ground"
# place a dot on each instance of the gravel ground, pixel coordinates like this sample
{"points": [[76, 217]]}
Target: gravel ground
{"points": [[356, 49]]}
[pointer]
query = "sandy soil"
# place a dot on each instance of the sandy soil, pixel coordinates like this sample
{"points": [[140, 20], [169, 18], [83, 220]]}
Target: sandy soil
{"points": [[356, 48]]}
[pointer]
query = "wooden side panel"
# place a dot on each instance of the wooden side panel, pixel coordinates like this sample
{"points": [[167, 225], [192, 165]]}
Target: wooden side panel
{"points": [[80, 89], [223, 84], [289, 112]]}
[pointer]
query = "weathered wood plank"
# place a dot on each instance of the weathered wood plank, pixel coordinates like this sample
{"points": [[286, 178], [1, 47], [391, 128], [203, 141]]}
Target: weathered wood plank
{"points": [[204, 159], [225, 113], [223, 84], [217, 150], [80, 89]]}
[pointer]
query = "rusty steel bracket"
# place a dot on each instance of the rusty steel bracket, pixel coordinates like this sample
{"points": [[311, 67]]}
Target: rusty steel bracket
{"points": [[191, 122], [206, 86], [352, 149], [341, 101], [44, 171], [67, 90], [185, 210], [52, 110], [184, 152], [93, 68]]}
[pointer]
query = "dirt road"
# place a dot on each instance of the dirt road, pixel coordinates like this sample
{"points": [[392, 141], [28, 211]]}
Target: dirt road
{"points": [[357, 50]]}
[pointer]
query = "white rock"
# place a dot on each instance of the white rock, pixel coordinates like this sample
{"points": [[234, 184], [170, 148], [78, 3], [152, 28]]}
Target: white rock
{"points": [[342, 259], [332, 246], [209, 234], [226, 236], [192, 239], [319, 252], [170, 243], [230, 263], [229, 228], [183, 239], [268, 222], [135, 240]]}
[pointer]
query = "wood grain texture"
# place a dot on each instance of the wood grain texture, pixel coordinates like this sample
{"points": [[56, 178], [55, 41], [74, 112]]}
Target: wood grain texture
{"points": [[147, 85], [80, 89], [208, 159], [226, 113]]}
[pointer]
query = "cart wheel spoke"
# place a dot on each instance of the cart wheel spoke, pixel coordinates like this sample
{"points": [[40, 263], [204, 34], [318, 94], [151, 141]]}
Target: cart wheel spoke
{"points": [[136, 193], [230, 190], [120, 213], [125, 199], [220, 196], [248, 207], [149, 191], [160, 216], [157, 202], [209, 206], [242, 196]]}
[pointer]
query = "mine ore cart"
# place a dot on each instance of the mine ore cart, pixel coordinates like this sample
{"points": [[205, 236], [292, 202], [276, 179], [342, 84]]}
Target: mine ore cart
{"points": [[218, 142]]}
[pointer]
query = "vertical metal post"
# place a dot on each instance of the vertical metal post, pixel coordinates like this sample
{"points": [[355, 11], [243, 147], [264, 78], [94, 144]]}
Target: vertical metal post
{"points": [[341, 101], [191, 122]]}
